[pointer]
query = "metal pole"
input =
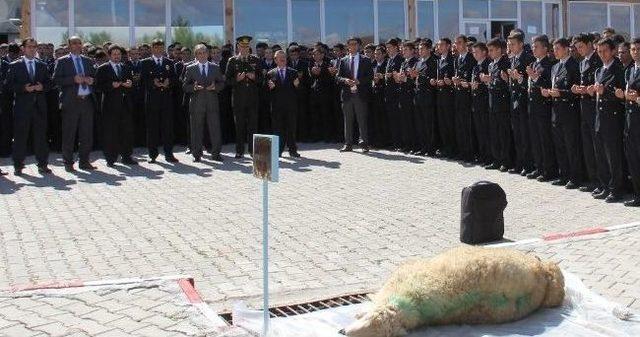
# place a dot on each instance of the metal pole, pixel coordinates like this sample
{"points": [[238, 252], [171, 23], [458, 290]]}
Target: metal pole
{"points": [[265, 256]]}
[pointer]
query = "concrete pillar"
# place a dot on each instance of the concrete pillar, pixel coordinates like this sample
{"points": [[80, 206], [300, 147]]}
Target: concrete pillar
{"points": [[228, 21], [411, 19], [25, 29]]}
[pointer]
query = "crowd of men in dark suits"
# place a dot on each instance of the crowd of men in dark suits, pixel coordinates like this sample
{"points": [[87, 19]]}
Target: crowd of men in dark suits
{"points": [[564, 111]]}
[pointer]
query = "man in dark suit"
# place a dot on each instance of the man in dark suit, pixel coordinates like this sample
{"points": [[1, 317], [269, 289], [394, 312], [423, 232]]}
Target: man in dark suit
{"points": [[244, 75], [283, 83], [632, 121], [496, 80], [115, 81], [407, 96], [28, 78], [4, 67], [518, 81], [320, 99], [354, 77], [480, 104], [464, 64], [137, 96], [565, 115], [392, 93], [6, 102], [203, 81], [597, 170], [539, 107], [301, 66], [610, 118], [425, 100], [446, 98], [74, 74], [158, 76]]}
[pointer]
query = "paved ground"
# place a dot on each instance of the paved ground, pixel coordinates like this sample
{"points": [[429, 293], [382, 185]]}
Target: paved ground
{"points": [[340, 223]]}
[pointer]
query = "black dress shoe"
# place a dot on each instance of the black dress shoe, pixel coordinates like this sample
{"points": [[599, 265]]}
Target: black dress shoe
{"points": [[515, 170], [559, 182], [533, 175], [239, 155], [601, 196], [586, 188], [492, 166], [503, 168], [196, 159], [613, 197], [365, 149], [217, 158], [129, 161], [635, 202], [2, 173], [171, 159], [152, 160], [87, 167], [543, 179], [294, 154], [17, 172], [524, 172], [111, 164], [571, 185], [69, 168], [346, 148], [597, 190]]}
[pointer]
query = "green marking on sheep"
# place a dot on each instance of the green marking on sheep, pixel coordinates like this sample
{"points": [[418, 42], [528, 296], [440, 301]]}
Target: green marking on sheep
{"points": [[430, 309]]}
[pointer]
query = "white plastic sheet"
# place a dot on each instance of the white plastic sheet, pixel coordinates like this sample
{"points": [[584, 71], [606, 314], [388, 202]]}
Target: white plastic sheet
{"points": [[583, 314]]}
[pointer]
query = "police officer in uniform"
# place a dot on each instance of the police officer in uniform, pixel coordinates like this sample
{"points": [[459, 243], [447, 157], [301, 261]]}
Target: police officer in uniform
{"points": [[244, 75], [632, 121]]}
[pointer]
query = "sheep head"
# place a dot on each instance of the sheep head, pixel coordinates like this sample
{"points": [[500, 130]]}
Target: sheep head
{"points": [[382, 322]]}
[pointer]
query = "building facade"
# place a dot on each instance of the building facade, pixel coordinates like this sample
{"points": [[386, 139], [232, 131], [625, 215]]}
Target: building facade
{"points": [[129, 22]]}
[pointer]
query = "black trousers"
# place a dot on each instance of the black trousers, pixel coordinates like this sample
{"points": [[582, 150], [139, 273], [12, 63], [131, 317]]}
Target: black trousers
{"points": [[632, 148], [245, 116], [407, 112], [501, 141], [392, 110], [425, 111], [379, 132], [6, 123], [480, 113], [521, 139], [285, 125], [566, 136], [117, 134], [303, 120], [609, 132], [446, 108], [30, 119], [77, 117], [54, 121], [464, 123], [320, 117], [159, 118], [594, 157]]}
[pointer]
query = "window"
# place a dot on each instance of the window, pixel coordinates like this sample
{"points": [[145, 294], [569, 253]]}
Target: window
{"points": [[504, 9], [193, 21], [586, 17], [636, 20], [345, 18], [426, 26], [52, 21], [621, 19], [553, 20], [391, 19], [531, 12], [472, 9], [265, 20], [448, 19], [150, 20], [306, 21], [101, 21]]}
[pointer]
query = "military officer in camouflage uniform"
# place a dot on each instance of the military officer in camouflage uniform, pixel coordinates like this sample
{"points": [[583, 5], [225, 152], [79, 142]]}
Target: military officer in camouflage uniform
{"points": [[244, 75]]}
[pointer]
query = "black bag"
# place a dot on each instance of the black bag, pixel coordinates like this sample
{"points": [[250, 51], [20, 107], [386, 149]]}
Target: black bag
{"points": [[481, 217]]}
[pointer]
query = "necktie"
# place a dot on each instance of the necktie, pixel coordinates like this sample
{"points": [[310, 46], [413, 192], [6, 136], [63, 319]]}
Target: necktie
{"points": [[118, 71], [282, 74], [202, 73], [80, 71], [32, 72], [158, 63], [353, 69]]}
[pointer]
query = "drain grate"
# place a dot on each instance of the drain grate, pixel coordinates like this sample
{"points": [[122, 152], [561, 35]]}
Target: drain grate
{"points": [[305, 308]]}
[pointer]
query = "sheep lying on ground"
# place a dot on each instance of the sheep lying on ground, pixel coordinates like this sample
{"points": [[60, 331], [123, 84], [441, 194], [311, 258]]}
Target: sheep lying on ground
{"points": [[466, 285]]}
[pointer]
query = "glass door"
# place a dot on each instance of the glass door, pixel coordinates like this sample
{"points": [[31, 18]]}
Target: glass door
{"points": [[477, 28]]}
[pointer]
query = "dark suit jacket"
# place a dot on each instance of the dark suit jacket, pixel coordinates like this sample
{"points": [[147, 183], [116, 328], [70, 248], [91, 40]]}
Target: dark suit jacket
{"points": [[64, 72], [408, 88], [320, 84], [114, 100], [394, 64], [284, 94], [301, 67], [480, 96], [464, 68], [4, 67], [364, 76], [499, 97], [632, 127], [518, 89], [18, 77], [611, 78], [538, 104], [446, 68], [427, 70], [563, 76], [149, 70], [378, 88]]}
